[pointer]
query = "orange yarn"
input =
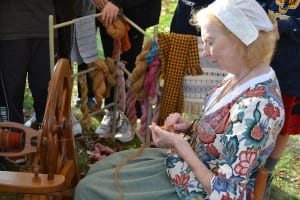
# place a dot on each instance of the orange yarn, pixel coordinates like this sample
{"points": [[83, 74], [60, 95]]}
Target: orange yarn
{"points": [[11, 141], [125, 42], [116, 30], [117, 48], [98, 75], [123, 162]]}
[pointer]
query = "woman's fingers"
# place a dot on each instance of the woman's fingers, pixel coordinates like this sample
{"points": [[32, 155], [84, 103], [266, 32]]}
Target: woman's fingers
{"points": [[109, 13]]}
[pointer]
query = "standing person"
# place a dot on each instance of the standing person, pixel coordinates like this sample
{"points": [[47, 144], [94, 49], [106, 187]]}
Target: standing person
{"points": [[235, 133], [84, 8], [181, 19], [64, 11], [144, 13], [285, 14], [24, 50]]}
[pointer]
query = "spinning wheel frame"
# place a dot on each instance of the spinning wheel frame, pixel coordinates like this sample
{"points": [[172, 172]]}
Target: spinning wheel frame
{"points": [[53, 146], [57, 138]]}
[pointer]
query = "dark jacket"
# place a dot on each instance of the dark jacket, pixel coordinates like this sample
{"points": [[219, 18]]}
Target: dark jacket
{"points": [[180, 21], [24, 19], [286, 61], [144, 13]]}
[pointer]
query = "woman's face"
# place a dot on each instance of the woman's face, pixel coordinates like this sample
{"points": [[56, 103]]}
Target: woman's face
{"points": [[219, 47]]}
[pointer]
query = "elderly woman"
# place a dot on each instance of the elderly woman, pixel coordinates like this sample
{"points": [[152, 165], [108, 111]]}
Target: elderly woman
{"points": [[235, 133]]}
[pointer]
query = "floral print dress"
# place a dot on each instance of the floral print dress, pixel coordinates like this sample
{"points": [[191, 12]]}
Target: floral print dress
{"points": [[233, 141]]}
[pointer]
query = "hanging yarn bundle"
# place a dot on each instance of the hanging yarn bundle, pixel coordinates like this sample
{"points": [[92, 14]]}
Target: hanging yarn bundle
{"points": [[140, 71], [143, 128], [150, 84], [84, 100], [125, 41], [111, 76], [156, 101], [121, 86], [98, 75], [131, 100], [152, 75], [118, 30]]}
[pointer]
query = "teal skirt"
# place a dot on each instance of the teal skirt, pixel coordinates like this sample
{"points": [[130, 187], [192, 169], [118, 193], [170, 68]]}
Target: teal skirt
{"points": [[143, 178]]}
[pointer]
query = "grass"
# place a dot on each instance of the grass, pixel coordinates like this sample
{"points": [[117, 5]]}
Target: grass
{"points": [[285, 185]]}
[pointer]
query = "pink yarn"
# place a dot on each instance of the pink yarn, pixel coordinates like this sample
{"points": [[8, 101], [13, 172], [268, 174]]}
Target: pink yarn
{"points": [[100, 152], [157, 104], [121, 87], [131, 100], [150, 81], [143, 129]]}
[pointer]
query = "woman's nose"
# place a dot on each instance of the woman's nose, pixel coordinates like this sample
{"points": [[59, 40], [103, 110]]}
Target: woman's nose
{"points": [[205, 51]]}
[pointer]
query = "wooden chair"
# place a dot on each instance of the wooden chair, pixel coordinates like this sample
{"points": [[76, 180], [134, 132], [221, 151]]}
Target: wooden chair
{"points": [[52, 149]]}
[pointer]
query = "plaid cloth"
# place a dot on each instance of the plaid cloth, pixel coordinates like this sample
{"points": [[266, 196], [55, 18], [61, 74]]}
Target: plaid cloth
{"points": [[180, 56]]}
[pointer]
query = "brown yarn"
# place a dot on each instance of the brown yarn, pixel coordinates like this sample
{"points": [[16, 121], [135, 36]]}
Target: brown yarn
{"points": [[138, 85], [140, 71], [140, 68], [98, 75], [141, 95], [84, 99], [116, 30], [123, 162], [111, 76]]}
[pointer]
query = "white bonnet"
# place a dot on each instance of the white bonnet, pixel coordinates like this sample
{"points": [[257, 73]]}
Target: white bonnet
{"points": [[244, 18]]}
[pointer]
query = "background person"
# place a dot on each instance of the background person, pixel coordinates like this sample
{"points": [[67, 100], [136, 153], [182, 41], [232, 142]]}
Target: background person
{"points": [[24, 50], [181, 19]]}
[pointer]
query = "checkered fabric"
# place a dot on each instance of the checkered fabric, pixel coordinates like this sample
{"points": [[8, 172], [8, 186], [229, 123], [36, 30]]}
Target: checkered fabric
{"points": [[180, 56]]}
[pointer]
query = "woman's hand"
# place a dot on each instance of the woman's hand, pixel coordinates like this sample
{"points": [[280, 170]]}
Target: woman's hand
{"points": [[163, 138], [100, 4], [109, 13], [177, 122]]}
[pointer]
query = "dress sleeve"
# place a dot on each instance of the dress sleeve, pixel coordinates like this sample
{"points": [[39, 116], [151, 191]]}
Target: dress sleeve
{"points": [[248, 141]]}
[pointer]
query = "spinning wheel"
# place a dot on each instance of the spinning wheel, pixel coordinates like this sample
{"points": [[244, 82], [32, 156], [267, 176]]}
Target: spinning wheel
{"points": [[59, 147], [53, 146]]}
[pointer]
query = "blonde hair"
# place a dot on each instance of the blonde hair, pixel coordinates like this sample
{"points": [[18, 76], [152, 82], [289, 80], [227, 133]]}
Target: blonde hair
{"points": [[259, 51]]}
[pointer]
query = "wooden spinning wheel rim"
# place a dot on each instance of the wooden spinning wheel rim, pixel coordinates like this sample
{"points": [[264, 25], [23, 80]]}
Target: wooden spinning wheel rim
{"points": [[57, 137]]}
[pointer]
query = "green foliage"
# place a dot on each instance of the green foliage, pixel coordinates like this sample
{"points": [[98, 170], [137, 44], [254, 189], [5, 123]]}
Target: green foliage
{"points": [[28, 101], [286, 181]]}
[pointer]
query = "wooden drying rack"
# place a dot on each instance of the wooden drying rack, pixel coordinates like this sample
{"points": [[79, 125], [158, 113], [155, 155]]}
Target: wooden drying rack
{"points": [[53, 27]]}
